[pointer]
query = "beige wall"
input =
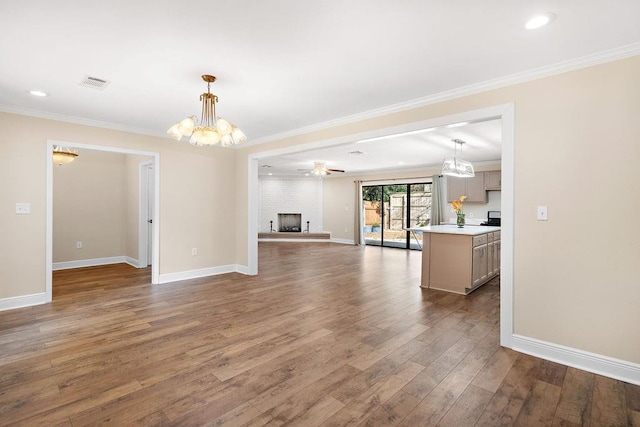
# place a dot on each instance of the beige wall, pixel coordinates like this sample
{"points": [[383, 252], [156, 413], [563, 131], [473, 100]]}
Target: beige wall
{"points": [[197, 199], [575, 279], [89, 205]]}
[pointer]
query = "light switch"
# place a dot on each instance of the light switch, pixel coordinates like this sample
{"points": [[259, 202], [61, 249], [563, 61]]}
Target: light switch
{"points": [[542, 213], [23, 208]]}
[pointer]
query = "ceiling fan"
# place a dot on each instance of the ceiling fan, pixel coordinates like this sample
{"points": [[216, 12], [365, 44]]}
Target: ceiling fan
{"points": [[320, 169]]}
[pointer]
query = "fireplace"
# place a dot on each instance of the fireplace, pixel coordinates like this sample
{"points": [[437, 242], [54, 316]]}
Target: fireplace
{"points": [[290, 222]]}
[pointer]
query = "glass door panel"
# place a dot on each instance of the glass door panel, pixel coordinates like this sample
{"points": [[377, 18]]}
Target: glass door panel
{"points": [[390, 209]]}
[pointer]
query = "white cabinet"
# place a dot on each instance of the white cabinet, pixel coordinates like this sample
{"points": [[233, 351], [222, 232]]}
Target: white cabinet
{"points": [[473, 188]]}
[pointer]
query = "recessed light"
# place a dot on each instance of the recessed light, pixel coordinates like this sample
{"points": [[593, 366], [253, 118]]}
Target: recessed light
{"points": [[270, 173], [401, 163], [455, 125], [539, 21], [38, 93]]}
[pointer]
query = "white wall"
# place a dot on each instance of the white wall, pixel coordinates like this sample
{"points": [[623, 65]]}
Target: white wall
{"points": [[291, 195]]}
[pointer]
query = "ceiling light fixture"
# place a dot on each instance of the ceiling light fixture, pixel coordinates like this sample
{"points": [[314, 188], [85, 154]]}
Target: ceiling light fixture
{"points": [[38, 93], [454, 166], [455, 125], [212, 129], [63, 155], [539, 21], [411, 132]]}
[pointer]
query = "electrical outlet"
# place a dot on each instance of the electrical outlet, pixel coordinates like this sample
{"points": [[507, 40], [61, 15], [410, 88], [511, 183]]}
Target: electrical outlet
{"points": [[78, 245], [23, 208], [194, 251]]}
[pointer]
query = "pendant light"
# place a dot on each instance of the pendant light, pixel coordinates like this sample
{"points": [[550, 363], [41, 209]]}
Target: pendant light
{"points": [[454, 166]]}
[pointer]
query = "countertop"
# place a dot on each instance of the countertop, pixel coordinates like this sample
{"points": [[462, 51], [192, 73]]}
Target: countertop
{"points": [[467, 230]]}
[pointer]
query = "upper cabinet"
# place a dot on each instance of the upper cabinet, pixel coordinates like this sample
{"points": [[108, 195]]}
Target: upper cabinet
{"points": [[493, 180], [473, 188]]}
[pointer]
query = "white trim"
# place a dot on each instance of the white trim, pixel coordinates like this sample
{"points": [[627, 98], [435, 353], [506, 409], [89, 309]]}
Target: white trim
{"points": [[202, 272], [590, 362], [525, 76], [537, 73], [343, 241], [295, 240], [505, 112], [253, 214], [155, 267], [143, 213], [132, 261], [507, 225], [13, 109], [66, 265], [242, 269], [23, 301]]}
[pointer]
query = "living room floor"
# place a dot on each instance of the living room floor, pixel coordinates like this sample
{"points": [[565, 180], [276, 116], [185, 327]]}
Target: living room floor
{"points": [[327, 334]]}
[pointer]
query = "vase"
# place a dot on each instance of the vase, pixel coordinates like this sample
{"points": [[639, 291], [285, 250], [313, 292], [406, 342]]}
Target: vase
{"points": [[460, 220]]}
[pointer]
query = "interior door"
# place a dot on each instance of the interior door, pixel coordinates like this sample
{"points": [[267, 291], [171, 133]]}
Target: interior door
{"points": [[150, 205]]}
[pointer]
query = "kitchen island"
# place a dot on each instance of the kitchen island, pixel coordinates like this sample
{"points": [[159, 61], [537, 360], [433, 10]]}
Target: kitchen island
{"points": [[459, 259]]}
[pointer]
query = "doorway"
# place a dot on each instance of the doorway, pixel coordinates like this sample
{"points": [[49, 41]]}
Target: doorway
{"points": [[390, 210], [504, 112], [155, 247], [146, 182]]}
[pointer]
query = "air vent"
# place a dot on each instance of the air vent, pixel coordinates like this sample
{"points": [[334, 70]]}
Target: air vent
{"points": [[94, 82], [267, 166], [357, 153]]}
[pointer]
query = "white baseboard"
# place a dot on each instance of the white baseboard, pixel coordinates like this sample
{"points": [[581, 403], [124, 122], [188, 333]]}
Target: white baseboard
{"points": [[133, 262], [94, 262], [22, 301], [203, 272], [590, 362], [343, 241], [296, 240], [242, 269]]}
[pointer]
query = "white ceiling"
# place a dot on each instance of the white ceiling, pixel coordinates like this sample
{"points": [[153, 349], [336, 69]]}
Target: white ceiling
{"points": [[282, 65], [482, 143]]}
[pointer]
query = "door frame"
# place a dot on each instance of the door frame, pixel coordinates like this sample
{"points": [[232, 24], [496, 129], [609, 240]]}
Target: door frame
{"points": [[143, 214], [504, 112], [155, 266]]}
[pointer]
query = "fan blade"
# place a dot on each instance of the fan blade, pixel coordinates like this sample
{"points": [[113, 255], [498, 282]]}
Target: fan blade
{"points": [[335, 170]]}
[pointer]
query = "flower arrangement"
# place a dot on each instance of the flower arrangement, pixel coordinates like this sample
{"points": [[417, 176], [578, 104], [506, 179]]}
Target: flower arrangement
{"points": [[457, 205]]}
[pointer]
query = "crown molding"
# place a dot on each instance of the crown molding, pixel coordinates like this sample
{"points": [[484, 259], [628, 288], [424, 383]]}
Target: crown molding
{"points": [[77, 120], [537, 73]]}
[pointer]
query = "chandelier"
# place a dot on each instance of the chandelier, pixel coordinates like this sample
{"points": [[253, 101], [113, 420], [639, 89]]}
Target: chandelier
{"points": [[212, 129], [454, 166], [63, 155]]}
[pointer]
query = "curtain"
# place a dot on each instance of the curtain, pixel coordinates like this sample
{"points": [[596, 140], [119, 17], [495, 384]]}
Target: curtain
{"points": [[358, 221], [436, 200]]}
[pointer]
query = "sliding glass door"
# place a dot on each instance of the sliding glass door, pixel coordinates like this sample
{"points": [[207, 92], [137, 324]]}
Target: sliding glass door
{"points": [[390, 210]]}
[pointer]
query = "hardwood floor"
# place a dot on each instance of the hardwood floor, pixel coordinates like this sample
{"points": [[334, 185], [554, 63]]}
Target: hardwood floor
{"points": [[327, 335]]}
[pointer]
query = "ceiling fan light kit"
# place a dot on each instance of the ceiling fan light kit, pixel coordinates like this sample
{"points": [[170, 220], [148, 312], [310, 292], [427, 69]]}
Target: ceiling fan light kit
{"points": [[212, 129], [454, 166], [320, 169]]}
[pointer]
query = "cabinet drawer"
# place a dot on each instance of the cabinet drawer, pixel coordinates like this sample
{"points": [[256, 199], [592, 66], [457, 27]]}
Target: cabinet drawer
{"points": [[489, 237], [479, 240], [496, 235]]}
